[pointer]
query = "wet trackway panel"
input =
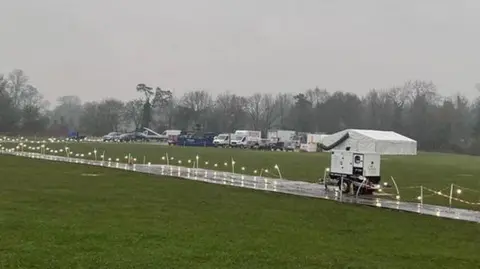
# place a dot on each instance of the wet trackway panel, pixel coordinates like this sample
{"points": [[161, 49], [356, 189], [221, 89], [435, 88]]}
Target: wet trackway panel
{"points": [[269, 184]]}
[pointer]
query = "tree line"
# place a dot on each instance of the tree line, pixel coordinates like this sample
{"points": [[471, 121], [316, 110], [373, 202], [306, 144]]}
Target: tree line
{"points": [[414, 109]]}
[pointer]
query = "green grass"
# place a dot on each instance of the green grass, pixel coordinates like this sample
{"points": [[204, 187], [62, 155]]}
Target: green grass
{"points": [[52, 215], [432, 170]]}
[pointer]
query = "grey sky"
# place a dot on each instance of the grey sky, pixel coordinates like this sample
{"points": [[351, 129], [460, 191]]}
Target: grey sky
{"points": [[103, 48]]}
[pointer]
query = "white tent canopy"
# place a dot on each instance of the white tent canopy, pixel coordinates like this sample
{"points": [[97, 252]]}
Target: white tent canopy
{"points": [[371, 141]]}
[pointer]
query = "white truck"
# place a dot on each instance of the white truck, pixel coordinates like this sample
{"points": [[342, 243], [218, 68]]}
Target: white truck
{"points": [[281, 135], [171, 136], [246, 139], [222, 140], [282, 140]]}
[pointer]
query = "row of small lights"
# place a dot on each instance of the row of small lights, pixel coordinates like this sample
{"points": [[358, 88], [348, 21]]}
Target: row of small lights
{"points": [[21, 146], [49, 140], [378, 204]]}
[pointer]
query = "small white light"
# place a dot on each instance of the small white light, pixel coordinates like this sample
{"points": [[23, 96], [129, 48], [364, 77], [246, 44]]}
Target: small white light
{"points": [[189, 161], [397, 197], [459, 191], [243, 168], [419, 198], [385, 184], [225, 164], [117, 159]]}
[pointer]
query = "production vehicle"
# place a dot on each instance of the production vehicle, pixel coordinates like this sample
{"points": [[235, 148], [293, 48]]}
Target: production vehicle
{"points": [[133, 137], [112, 136], [196, 140], [263, 144], [168, 133], [74, 135], [356, 158], [281, 135], [152, 135], [222, 140], [281, 140], [246, 139]]}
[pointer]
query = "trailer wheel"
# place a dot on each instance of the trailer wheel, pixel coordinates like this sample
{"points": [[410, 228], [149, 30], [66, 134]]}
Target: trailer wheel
{"points": [[345, 188]]}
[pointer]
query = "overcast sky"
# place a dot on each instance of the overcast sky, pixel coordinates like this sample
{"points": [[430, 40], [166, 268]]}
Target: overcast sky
{"points": [[103, 48]]}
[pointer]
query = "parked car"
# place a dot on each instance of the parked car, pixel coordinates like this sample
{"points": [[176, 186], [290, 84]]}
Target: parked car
{"points": [[196, 140], [113, 136], [76, 136], [133, 136]]}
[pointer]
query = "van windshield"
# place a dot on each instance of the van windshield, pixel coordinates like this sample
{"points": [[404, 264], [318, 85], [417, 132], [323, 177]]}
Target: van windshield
{"points": [[222, 137]]}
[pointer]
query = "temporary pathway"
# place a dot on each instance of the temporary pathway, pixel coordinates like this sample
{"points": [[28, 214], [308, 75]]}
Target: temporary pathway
{"points": [[268, 184]]}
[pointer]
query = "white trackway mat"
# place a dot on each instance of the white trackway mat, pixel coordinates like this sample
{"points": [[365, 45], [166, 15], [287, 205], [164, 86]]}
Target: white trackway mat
{"points": [[269, 184]]}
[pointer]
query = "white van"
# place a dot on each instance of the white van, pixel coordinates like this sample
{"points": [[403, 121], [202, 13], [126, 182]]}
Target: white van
{"points": [[222, 140], [246, 138]]}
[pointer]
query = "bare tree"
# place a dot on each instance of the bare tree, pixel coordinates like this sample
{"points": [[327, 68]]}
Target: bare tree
{"points": [[68, 110], [255, 110], [17, 81], [230, 111], [262, 110], [133, 113], [197, 105], [284, 104], [316, 96]]}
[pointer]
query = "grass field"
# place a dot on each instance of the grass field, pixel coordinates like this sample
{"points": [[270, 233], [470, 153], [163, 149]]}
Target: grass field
{"points": [[432, 170], [56, 215]]}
